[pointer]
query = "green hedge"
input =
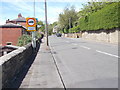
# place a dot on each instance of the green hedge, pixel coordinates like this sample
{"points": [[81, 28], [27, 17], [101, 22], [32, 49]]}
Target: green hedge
{"points": [[106, 18], [74, 29]]}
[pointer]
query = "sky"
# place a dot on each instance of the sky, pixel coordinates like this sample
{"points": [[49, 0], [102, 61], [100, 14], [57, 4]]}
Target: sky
{"points": [[10, 9]]}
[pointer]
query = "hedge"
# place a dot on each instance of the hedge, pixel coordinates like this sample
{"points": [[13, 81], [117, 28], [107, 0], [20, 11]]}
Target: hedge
{"points": [[74, 29], [106, 18]]}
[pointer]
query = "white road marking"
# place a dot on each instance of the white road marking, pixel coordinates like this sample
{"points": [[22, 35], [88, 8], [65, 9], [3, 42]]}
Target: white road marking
{"points": [[67, 41], [107, 54], [85, 47], [74, 44]]}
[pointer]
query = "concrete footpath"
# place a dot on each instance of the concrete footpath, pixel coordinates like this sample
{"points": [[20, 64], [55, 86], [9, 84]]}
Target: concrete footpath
{"points": [[43, 72]]}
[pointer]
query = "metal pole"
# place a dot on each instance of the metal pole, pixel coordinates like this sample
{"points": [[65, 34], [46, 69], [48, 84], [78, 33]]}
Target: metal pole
{"points": [[33, 33], [46, 25], [69, 23]]}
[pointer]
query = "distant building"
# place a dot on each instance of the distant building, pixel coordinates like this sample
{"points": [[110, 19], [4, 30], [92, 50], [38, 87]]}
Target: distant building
{"points": [[12, 30], [55, 29]]}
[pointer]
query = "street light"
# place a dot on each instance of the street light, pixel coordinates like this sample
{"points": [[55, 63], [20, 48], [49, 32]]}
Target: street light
{"points": [[46, 25]]}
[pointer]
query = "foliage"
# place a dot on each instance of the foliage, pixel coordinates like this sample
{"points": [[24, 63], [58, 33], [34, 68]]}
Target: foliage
{"points": [[106, 18], [74, 29], [67, 19], [92, 7], [54, 24], [50, 29], [41, 26], [38, 35], [51, 26], [23, 40]]}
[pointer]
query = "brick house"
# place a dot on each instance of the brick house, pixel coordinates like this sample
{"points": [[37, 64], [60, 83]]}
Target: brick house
{"points": [[20, 20], [10, 33], [12, 30]]}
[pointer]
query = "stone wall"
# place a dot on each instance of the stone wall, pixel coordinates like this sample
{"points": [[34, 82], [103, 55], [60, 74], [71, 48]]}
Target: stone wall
{"points": [[73, 35], [109, 36], [12, 63]]}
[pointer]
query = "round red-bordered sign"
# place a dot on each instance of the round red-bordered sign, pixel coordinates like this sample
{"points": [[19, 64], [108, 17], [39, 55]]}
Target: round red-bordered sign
{"points": [[31, 21]]}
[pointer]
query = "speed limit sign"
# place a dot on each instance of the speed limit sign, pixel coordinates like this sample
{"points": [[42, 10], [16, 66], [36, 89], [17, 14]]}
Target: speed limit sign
{"points": [[31, 24]]}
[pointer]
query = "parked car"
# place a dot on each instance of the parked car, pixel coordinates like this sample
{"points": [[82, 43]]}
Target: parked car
{"points": [[58, 34]]}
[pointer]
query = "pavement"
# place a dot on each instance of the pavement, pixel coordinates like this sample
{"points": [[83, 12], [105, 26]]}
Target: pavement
{"points": [[43, 72], [74, 63]]}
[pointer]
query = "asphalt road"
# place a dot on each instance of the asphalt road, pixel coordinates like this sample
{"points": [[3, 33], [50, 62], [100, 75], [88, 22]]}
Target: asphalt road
{"points": [[85, 64]]}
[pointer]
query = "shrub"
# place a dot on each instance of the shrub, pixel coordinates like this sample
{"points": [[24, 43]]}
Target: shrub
{"points": [[74, 29], [106, 18], [23, 40]]}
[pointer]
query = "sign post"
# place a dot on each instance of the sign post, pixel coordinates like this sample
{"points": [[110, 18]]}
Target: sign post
{"points": [[31, 26]]}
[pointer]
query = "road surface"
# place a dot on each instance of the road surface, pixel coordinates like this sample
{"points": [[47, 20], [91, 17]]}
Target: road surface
{"points": [[73, 63], [85, 64]]}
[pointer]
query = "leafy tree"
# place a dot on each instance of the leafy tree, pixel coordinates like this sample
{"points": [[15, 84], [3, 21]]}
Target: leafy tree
{"points": [[106, 18], [67, 19], [92, 7], [50, 29], [41, 26]]}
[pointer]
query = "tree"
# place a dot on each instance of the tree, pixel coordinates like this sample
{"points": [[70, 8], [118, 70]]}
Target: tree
{"points": [[67, 19], [92, 7], [41, 26], [50, 29]]}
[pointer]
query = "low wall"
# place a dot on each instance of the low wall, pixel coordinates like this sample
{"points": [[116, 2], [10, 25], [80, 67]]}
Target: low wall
{"points": [[12, 63], [109, 36], [73, 35]]}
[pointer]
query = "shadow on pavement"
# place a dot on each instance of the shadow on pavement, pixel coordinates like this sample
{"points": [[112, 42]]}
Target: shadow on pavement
{"points": [[15, 84]]}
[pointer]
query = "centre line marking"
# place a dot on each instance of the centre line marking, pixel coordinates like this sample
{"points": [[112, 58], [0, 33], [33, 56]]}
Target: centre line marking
{"points": [[107, 54], [74, 44], [85, 47], [67, 41]]}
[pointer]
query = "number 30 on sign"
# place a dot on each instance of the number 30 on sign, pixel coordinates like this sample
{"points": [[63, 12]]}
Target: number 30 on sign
{"points": [[31, 24]]}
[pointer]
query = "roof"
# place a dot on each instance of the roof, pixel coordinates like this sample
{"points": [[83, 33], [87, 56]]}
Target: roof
{"points": [[11, 25], [20, 19]]}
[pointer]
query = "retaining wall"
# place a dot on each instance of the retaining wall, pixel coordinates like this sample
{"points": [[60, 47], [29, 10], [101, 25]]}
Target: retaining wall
{"points": [[109, 36]]}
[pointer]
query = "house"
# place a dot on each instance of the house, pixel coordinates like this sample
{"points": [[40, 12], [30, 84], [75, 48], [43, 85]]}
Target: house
{"points": [[12, 30], [10, 33], [55, 29], [20, 20]]}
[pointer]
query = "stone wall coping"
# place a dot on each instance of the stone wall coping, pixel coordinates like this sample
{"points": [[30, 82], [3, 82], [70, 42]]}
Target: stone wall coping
{"points": [[12, 46], [6, 57]]}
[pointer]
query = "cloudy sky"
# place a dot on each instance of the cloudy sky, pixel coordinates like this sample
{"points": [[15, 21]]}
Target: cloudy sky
{"points": [[10, 9]]}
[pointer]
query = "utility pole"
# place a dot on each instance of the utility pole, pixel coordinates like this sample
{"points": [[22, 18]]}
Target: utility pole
{"points": [[69, 23], [33, 32], [46, 25]]}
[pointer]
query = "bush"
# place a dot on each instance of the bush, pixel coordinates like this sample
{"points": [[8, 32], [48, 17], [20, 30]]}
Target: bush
{"points": [[38, 35], [23, 40], [106, 18], [74, 29]]}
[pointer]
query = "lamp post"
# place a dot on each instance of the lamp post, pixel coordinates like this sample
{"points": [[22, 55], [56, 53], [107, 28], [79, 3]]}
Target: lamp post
{"points": [[46, 25]]}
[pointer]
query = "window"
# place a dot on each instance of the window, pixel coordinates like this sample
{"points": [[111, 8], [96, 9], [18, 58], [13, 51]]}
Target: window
{"points": [[9, 43]]}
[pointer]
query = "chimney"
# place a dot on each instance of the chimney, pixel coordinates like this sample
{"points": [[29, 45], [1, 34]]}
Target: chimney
{"points": [[7, 21], [19, 15]]}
